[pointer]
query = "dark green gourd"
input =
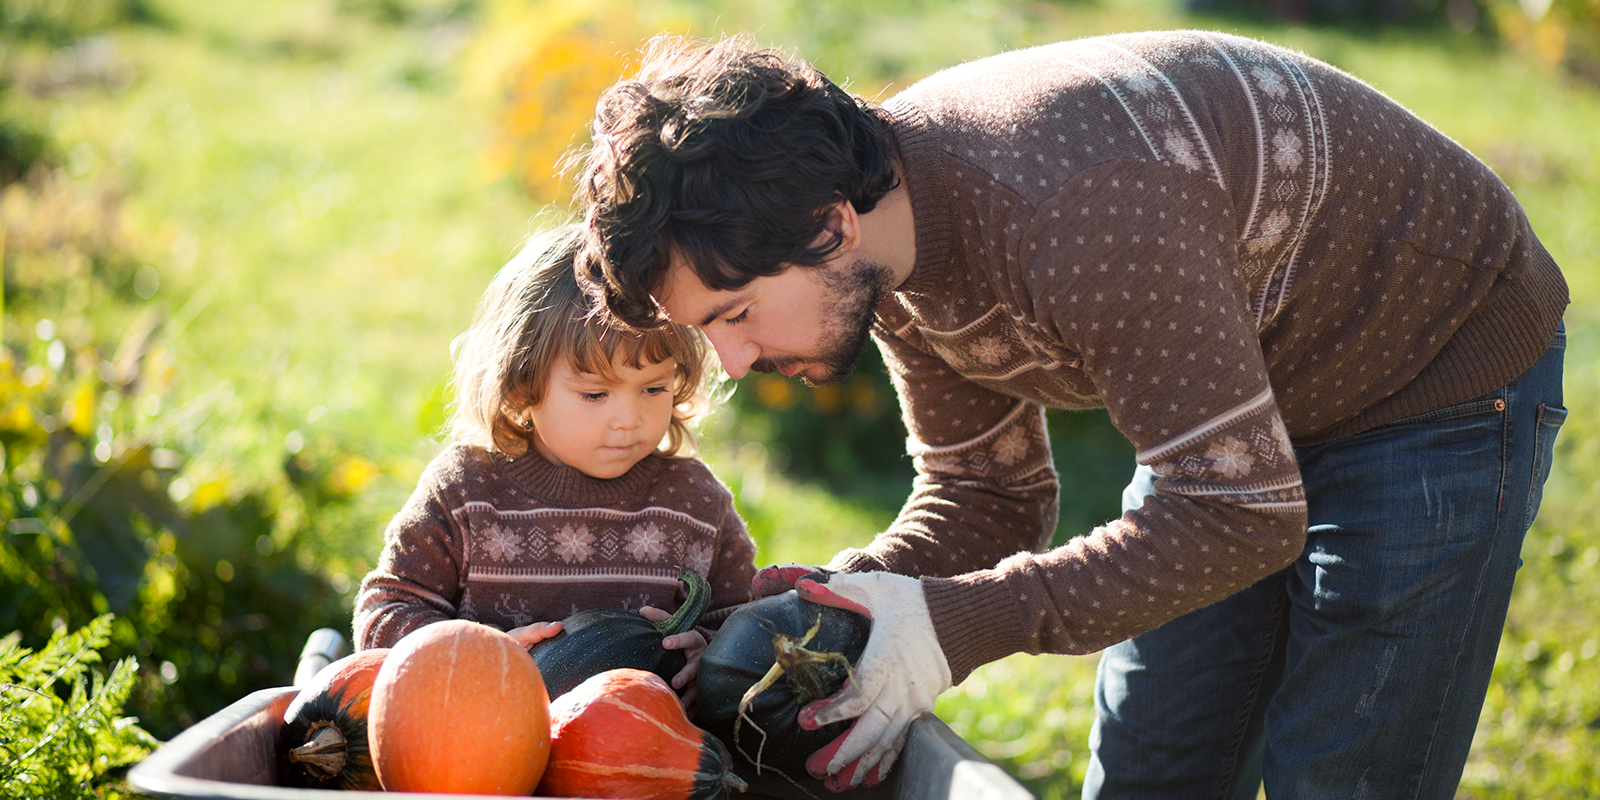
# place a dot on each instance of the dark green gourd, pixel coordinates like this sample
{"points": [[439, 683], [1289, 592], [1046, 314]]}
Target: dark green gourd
{"points": [[805, 651], [601, 639], [322, 743]]}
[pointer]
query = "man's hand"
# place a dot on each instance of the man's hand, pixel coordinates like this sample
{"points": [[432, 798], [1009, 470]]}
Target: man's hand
{"points": [[900, 673], [780, 578]]}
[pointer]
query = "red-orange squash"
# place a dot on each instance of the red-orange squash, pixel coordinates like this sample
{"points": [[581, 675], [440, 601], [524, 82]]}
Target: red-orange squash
{"points": [[622, 734], [459, 706], [323, 741]]}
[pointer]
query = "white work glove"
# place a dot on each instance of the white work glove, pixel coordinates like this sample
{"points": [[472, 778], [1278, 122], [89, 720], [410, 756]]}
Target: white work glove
{"points": [[900, 673]]}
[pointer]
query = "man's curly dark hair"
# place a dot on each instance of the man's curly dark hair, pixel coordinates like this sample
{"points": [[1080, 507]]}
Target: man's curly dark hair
{"points": [[727, 156]]}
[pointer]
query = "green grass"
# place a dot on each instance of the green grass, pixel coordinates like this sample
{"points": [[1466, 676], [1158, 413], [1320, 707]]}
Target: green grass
{"points": [[308, 184]]}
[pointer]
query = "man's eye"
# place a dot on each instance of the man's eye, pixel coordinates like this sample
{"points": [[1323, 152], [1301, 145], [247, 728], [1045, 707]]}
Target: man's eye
{"points": [[740, 317]]}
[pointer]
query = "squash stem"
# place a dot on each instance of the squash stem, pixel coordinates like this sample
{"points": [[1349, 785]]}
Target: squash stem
{"points": [[324, 754], [694, 605], [774, 672]]}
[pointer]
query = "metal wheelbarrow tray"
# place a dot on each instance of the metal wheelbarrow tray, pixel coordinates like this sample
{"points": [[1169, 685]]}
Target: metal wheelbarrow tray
{"points": [[232, 755]]}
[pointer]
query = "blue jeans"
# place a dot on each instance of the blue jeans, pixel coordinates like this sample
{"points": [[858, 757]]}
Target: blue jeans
{"points": [[1358, 671]]}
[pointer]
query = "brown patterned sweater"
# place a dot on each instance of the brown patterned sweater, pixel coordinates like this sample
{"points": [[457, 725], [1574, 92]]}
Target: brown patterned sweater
{"points": [[1229, 246], [511, 542]]}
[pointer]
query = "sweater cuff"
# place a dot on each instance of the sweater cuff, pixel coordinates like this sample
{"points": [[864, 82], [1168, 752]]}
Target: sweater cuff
{"points": [[976, 619]]}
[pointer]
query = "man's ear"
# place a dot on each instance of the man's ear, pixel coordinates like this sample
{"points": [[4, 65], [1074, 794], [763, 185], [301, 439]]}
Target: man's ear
{"points": [[844, 224]]}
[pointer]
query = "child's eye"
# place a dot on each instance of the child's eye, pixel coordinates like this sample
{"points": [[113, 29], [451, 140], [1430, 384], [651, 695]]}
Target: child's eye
{"points": [[655, 390], [592, 397]]}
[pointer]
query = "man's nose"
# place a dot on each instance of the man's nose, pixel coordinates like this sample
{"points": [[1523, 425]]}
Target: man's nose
{"points": [[735, 352]]}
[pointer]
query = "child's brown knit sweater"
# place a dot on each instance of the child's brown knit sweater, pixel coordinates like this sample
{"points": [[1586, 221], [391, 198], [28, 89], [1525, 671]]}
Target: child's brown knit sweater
{"points": [[1230, 247], [511, 542]]}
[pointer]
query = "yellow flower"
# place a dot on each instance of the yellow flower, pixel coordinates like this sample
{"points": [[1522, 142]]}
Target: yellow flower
{"points": [[545, 65]]}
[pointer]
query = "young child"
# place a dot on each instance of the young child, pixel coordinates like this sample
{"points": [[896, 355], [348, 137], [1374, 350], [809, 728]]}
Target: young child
{"points": [[564, 486]]}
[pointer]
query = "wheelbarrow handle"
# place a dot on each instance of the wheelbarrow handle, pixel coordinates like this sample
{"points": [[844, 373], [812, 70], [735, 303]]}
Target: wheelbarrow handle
{"points": [[323, 647]]}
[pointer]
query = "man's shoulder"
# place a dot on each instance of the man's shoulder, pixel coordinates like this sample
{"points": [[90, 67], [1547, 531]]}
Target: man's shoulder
{"points": [[1117, 70], [1067, 52]]}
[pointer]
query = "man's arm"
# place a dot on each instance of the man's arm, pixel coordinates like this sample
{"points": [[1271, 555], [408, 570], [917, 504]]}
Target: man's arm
{"points": [[1160, 313], [986, 486]]}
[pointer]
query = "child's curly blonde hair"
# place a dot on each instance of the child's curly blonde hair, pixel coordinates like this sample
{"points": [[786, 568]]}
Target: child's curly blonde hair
{"points": [[533, 314]]}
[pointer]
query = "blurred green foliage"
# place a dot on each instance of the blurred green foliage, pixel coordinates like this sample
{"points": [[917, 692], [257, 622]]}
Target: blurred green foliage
{"points": [[213, 591], [62, 733], [849, 438], [20, 146], [1557, 32], [210, 581], [62, 21], [1563, 32], [1461, 14]]}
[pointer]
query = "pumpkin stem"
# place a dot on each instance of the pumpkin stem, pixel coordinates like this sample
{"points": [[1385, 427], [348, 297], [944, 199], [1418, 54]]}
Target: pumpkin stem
{"points": [[324, 754], [695, 604]]}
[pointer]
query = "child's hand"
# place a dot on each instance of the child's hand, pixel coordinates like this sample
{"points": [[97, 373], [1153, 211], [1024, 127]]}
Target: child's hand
{"points": [[530, 635], [692, 643]]}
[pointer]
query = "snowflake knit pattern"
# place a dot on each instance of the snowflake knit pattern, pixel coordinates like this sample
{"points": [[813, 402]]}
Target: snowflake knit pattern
{"points": [[1232, 248], [512, 542]]}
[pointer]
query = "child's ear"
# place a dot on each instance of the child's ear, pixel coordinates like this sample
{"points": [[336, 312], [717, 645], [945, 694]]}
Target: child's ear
{"points": [[518, 408]]}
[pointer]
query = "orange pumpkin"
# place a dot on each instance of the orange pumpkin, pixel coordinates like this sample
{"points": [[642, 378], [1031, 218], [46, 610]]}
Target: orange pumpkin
{"points": [[459, 707], [622, 734]]}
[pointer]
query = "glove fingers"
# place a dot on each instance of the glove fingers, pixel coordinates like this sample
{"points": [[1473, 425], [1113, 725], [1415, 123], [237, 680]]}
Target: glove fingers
{"points": [[881, 771], [870, 768], [846, 779], [898, 674], [820, 594], [883, 755], [846, 703], [780, 578], [872, 729], [817, 763]]}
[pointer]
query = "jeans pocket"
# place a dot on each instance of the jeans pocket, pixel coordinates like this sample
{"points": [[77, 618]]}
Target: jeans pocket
{"points": [[1550, 419], [1477, 407]]}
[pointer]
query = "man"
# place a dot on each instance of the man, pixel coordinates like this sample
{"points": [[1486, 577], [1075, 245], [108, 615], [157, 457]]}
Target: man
{"points": [[1329, 332]]}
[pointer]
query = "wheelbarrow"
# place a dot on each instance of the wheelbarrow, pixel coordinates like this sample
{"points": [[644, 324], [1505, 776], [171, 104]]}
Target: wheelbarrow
{"points": [[232, 755]]}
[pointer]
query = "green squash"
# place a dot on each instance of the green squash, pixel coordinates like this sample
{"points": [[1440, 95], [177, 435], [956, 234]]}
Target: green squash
{"points": [[322, 743], [812, 647], [600, 639]]}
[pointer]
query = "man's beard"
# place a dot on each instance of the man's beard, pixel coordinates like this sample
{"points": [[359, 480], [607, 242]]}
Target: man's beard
{"points": [[848, 313]]}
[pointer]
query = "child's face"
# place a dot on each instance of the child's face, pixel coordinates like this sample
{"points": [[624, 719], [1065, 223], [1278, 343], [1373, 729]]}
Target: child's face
{"points": [[602, 427]]}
